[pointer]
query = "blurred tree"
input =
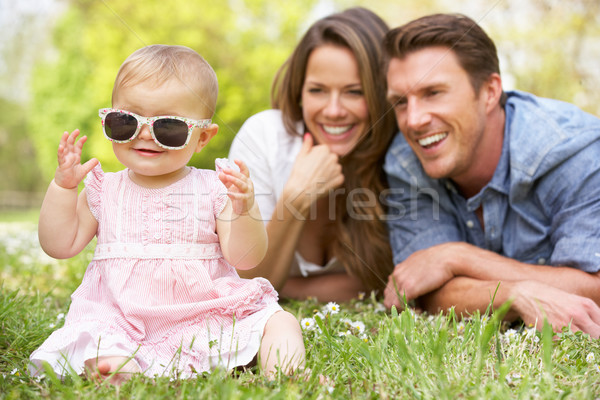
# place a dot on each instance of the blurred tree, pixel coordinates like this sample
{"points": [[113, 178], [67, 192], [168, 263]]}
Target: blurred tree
{"points": [[549, 47], [17, 161], [244, 41], [23, 26]]}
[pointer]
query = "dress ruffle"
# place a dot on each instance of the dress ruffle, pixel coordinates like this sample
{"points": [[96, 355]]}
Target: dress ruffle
{"points": [[183, 353], [93, 184], [221, 196]]}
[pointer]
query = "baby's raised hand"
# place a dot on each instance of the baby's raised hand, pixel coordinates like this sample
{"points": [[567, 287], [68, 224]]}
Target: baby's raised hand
{"points": [[70, 171], [240, 188]]}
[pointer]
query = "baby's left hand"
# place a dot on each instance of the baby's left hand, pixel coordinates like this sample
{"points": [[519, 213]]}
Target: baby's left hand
{"points": [[239, 188]]}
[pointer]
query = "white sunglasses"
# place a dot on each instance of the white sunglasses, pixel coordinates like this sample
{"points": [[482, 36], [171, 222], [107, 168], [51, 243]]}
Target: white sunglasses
{"points": [[169, 132]]}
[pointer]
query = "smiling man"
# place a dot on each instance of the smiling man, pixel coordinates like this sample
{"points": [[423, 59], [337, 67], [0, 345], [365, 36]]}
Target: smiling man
{"points": [[494, 196]]}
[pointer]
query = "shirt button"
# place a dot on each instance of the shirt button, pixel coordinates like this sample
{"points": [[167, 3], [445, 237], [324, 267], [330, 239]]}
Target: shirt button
{"points": [[470, 224], [157, 236], [156, 216], [541, 261]]}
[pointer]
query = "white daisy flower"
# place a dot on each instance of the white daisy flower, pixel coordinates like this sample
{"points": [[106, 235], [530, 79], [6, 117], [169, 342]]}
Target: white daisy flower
{"points": [[332, 308], [590, 358], [307, 324], [511, 334], [358, 326]]}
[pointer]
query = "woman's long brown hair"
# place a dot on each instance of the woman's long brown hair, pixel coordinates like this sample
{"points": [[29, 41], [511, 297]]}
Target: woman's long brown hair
{"points": [[361, 240]]}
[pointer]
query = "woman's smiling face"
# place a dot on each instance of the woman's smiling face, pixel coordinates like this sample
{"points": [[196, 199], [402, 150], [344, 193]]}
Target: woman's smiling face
{"points": [[334, 108]]}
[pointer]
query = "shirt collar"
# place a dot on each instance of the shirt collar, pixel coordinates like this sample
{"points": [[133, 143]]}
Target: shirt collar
{"points": [[500, 181]]}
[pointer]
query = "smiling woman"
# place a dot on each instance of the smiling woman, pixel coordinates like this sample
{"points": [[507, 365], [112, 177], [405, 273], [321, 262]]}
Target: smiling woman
{"points": [[334, 107], [315, 160]]}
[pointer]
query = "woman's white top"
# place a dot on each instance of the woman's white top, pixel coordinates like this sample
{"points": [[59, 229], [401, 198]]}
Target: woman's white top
{"points": [[270, 152]]}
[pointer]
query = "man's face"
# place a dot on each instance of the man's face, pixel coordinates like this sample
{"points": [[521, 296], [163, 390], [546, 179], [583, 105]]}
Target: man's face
{"points": [[439, 113]]}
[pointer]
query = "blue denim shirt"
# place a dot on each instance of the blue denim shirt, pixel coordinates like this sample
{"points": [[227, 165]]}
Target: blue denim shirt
{"points": [[542, 205]]}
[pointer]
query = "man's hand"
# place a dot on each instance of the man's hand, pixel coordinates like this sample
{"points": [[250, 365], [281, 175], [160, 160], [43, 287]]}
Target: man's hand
{"points": [[536, 301], [422, 272]]}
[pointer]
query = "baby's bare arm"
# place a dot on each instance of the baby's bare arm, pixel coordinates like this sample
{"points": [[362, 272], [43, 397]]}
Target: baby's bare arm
{"points": [[242, 233], [66, 223]]}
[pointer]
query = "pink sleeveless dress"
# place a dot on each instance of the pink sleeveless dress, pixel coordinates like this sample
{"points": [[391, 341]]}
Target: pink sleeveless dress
{"points": [[158, 287]]}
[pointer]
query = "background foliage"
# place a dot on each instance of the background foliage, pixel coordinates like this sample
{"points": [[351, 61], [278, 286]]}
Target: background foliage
{"points": [[58, 63]]}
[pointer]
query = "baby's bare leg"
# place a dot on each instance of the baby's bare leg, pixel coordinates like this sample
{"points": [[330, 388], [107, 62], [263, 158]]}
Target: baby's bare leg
{"points": [[102, 367], [282, 345]]}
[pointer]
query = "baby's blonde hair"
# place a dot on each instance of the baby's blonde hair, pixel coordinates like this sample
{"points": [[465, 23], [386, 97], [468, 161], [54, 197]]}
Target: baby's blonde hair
{"points": [[159, 63]]}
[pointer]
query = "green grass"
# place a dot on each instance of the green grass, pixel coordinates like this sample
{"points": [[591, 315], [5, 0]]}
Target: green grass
{"points": [[366, 352]]}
